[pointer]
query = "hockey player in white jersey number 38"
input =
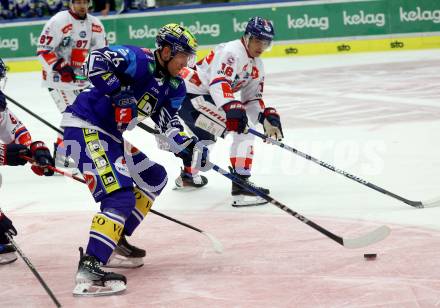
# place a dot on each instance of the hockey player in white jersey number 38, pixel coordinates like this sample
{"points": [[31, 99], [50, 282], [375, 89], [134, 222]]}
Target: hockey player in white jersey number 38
{"points": [[64, 43], [211, 108]]}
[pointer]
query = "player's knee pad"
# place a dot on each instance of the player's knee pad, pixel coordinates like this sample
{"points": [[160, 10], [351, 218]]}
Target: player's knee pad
{"points": [[121, 201], [144, 202], [107, 228]]}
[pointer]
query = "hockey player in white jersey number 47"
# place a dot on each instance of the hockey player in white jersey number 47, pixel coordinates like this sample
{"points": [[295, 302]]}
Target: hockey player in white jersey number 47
{"points": [[211, 106], [63, 46]]}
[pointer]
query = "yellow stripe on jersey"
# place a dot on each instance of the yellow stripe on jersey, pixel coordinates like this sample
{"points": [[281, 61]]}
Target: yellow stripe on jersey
{"points": [[143, 202], [107, 227], [100, 160]]}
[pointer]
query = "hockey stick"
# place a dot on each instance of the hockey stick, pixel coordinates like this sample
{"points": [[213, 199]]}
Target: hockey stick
{"points": [[218, 247], [359, 242], [33, 114], [33, 270], [216, 244], [417, 204]]}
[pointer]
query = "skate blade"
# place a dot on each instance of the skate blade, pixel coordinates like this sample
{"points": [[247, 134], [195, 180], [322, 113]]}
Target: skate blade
{"points": [[6, 258], [243, 201], [111, 287], [118, 261], [182, 187], [186, 188]]}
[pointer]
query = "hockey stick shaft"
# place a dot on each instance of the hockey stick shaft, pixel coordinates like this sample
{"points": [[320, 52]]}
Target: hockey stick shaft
{"points": [[33, 270], [322, 230], [417, 204], [33, 114], [216, 244]]}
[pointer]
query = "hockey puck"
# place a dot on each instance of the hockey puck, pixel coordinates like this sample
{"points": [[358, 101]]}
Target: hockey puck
{"points": [[370, 256]]}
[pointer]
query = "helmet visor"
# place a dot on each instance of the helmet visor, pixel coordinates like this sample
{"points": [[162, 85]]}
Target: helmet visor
{"points": [[258, 42], [188, 58]]}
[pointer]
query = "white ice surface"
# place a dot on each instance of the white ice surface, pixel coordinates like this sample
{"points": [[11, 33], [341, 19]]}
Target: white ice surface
{"points": [[402, 157], [374, 115]]}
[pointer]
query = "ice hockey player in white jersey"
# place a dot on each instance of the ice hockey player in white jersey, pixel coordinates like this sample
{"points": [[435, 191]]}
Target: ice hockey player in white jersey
{"points": [[63, 46], [16, 141], [212, 107]]}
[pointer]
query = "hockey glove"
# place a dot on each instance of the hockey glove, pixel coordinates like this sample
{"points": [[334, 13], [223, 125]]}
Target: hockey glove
{"points": [[65, 70], [125, 109], [10, 154], [271, 123], [6, 227], [185, 148], [236, 118], [40, 153]]}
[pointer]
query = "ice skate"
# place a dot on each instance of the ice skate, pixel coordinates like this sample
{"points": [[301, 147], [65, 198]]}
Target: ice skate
{"points": [[126, 255], [188, 181], [7, 254], [91, 280], [242, 197]]}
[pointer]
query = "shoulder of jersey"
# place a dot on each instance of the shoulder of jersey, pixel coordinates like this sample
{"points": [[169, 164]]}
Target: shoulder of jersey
{"points": [[151, 61], [60, 15], [235, 48], [175, 82]]}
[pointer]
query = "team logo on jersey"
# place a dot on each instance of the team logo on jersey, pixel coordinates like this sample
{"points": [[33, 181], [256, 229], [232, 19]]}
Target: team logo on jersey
{"points": [[83, 34], [66, 41], [230, 60], [121, 166]]}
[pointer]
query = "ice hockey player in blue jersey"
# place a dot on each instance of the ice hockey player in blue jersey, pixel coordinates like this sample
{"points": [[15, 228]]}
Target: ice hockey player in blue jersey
{"points": [[130, 84]]}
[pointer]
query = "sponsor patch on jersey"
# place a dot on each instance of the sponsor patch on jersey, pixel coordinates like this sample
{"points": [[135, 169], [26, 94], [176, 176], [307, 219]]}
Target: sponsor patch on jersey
{"points": [[227, 91], [174, 83], [67, 28], [96, 28], [121, 166], [82, 34]]}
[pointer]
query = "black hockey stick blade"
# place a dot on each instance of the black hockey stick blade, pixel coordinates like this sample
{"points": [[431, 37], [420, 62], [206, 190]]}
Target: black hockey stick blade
{"points": [[359, 242], [416, 204]]}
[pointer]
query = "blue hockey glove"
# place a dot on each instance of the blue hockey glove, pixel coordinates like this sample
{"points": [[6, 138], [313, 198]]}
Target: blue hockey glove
{"points": [[125, 108]]}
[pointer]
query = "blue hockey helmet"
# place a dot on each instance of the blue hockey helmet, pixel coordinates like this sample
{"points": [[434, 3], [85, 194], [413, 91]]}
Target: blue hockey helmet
{"points": [[178, 38], [260, 28]]}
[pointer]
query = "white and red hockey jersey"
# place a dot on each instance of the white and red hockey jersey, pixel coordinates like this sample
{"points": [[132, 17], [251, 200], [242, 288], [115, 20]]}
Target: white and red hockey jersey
{"points": [[227, 70], [12, 130], [68, 37]]}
